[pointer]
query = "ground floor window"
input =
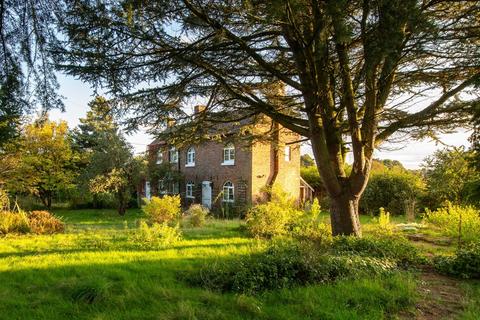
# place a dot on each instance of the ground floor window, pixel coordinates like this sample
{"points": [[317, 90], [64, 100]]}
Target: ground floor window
{"points": [[189, 191], [228, 192], [174, 187]]}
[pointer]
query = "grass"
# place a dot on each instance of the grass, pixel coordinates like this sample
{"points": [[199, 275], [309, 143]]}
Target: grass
{"points": [[93, 272], [472, 310]]}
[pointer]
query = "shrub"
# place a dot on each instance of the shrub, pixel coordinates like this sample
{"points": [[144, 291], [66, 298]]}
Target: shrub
{"points": [[197, 215], [156, 235], [309, 225], [381, 225], [13, 222], [282, 266], [391, 189], [270, 219], [4, 201], [448, 219], [280, 217], [162, 210], [394, 247], [43, 222], [465, 263]]}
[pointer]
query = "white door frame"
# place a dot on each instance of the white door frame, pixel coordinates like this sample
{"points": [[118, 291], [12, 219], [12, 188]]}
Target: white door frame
{"points": [[207, 194]]}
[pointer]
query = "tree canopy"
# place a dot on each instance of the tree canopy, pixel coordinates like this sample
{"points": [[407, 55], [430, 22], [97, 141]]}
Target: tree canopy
{"points": [[45, 163], [27, 71], [348, 75]]}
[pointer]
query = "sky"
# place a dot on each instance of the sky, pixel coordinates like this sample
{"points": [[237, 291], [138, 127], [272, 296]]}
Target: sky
{"points": [[411, 154]]}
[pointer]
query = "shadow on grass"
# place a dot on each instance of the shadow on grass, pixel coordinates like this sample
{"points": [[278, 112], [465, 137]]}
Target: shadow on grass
{"points": [[146, 289]]}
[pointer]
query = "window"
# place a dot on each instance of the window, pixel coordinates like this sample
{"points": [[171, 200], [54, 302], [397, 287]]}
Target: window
{"points": [[288, 153], [190, 157], [173, 155], [189, 193], [174, 187], [159, 156], [229, 154], [228, 192], [161, 187]]}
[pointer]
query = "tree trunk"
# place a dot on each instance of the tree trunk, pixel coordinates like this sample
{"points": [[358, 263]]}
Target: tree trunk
{"points": [[121, 203], [344, 215]]}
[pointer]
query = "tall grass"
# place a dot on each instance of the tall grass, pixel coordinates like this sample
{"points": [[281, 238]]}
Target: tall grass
{"points": [[93, 271]]}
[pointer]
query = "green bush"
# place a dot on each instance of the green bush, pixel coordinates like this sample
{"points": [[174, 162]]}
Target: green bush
{"points": [[381, 225], [309, 225], [447, 219], [156, 235], [270, 219], [392, 247], [43, 222], [391, 189], [14, 222], [284, 265], [465, 263], [197, 215], [166, 209], [281, 217]]}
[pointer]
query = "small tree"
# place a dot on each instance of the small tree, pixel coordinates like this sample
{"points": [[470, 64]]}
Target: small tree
{"points": [[449, 175], [46, 161], [114, 169]]}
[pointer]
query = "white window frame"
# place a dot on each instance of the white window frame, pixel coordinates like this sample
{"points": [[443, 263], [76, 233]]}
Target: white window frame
{"points": [[159, 156], [189, 190], [288, 153], [173, 155], [228, 154], [228, 192], [190, 159]]}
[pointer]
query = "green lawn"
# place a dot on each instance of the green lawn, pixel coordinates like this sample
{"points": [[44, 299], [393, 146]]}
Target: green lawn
{"points": [[93, 272]]}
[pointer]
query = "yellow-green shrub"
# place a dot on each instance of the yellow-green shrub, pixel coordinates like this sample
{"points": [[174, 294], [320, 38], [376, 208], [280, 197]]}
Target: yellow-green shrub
{"points": [[162, 210], [146, 236], [273, 218], [270, 219], [43, 222], [13, 222], [197, 215], [381, 225], [309, 225], [456, 221]]}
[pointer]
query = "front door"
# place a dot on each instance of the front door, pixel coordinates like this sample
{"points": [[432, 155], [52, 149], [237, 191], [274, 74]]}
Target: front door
{"points": [[148, 192], [207, 194]]}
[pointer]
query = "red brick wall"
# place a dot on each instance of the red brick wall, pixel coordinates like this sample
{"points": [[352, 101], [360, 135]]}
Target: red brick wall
{"points": [[253, 169], [208, 167], [288, 174]]}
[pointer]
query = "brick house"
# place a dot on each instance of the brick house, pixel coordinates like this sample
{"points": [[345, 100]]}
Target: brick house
{"points": [[229, 173]]}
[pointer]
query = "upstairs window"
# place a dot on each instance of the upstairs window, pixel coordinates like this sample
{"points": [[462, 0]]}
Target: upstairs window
{"points": [[190, 157], [189, 190], [173, 155], [288, 153], [229, 154], [228, 192], [159, 156]]}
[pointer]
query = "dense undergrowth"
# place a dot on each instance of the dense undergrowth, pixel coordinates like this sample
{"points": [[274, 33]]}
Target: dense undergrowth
{"points": [[287, 263]]}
